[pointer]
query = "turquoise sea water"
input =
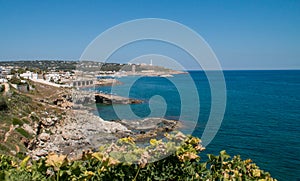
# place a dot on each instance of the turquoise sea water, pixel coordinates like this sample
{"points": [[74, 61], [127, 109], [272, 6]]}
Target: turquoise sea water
{"points": [[261, 122]]}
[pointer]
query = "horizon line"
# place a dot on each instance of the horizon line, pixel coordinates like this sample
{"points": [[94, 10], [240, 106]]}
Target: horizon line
{"points": [[225, 69]]}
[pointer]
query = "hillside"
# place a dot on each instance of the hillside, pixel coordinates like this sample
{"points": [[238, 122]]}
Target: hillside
{"points": [[20, 112]]}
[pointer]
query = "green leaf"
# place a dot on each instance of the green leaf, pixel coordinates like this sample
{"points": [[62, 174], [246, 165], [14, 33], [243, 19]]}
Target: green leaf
{"points": [[24, 162]]}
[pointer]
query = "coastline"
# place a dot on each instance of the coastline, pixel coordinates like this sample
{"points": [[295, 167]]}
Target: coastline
{"points": [[79, 129], [82, 130]]}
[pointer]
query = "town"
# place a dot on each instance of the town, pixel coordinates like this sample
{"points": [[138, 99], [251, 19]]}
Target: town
{"points": [[73, 73]]}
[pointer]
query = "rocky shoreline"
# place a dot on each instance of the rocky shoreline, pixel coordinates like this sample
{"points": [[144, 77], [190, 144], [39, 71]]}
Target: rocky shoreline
{"points": [[64, 124], [145, 129], [75, 133], [81, 130]]}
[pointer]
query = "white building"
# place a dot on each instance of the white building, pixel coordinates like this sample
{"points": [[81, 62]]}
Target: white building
{"points": [[4, 71], [2, 80], [29, 75], [52, 77], [9, 76]]}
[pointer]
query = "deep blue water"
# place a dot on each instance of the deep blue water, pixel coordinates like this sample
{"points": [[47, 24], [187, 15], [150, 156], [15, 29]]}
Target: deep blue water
{"points": [[261, 122]]}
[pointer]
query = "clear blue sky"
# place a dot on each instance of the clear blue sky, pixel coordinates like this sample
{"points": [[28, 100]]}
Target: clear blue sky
{"points": [[256, 34]]}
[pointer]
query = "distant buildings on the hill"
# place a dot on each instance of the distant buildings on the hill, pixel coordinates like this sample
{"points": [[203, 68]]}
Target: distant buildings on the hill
{"points": [[5, 71], [73, 74], [29, 75]]}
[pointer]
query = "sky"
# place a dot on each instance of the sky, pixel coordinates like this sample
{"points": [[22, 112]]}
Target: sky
{"points": [[256, 34]]}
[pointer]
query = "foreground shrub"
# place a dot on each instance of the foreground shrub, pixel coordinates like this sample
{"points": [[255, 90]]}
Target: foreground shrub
{"points": [[2, 88], [127, 161], [3, 104]]}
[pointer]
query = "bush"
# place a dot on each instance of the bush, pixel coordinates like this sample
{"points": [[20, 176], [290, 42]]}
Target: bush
{"points": [[16, 121], [113, 162], [2, 88], [15, 80], [3, 104]]}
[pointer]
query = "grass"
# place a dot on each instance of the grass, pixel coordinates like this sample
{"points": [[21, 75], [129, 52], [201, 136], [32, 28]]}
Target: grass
{"points": [[11, 146], [25, 121], [3, 148], [16, 110], [17, 121], [23, 132]]}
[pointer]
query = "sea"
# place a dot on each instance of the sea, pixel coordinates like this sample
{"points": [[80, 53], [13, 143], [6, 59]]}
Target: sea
{"points": [[261, 119]]}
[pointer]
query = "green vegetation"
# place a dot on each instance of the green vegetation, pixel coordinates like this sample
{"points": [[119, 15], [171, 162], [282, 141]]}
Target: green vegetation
{"points": [[14, 110], [116, 162], [3, 149], [17, 121], [2, 88], [23, 132], [111, 67], [40, 65], [15, 80], [3, 104]]}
